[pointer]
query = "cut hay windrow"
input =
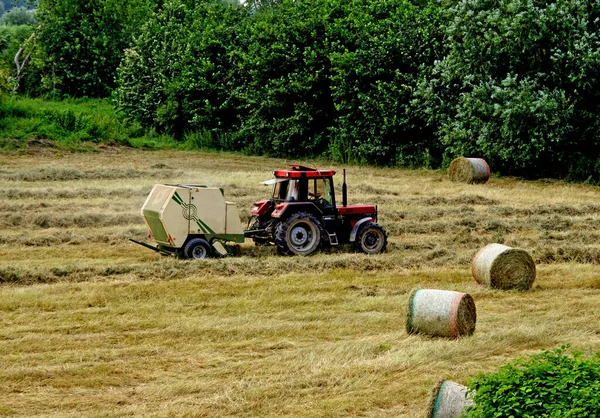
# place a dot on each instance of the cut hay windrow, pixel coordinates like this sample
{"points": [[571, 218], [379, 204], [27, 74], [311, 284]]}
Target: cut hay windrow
{"points": [[502, 267], [448, 400], [440, 313], [469, 170]]}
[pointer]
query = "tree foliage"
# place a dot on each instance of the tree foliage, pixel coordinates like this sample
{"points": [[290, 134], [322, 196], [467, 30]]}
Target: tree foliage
{"points": [[81, 42], [18, 16], [286, 78], [175, 76], [519, 85], [380, 51], [386, 82], [282, 80]]}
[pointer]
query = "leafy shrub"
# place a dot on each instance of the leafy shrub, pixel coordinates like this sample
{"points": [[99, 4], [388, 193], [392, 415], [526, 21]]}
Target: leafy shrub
{"points": [[286, 78], [551, 384], [282, 80]]}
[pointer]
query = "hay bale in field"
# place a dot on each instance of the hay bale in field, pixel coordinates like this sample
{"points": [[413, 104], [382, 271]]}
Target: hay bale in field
{"points": [[503, 267], [469, 170], [448, 400], [440, 313]]}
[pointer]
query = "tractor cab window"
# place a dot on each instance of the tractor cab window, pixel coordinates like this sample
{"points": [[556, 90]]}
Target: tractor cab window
{"points": [[280, 190], [321, 190], [328, 193], [293, 191]]}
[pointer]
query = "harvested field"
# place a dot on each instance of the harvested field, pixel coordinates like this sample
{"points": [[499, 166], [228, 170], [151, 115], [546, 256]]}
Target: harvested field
{"points": [[93, 325]]}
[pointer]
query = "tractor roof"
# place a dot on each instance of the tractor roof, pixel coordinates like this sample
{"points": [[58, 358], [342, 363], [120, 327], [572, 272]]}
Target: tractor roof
{"points": [[299, 171]]}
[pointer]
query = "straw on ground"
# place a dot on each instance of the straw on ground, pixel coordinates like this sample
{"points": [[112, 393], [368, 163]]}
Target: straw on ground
{"points": [[93, 325]]}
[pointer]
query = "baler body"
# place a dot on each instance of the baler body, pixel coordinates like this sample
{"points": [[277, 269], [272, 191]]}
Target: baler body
{"points": [[177, 213]]}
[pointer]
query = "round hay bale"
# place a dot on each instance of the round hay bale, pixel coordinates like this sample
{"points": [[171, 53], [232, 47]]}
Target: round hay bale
{"points": [[469, 170], [503, 267], [440, 313], [448, 400]]}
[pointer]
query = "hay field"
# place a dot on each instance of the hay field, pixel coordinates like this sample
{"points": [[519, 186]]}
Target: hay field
{"points": [[93, 325]]}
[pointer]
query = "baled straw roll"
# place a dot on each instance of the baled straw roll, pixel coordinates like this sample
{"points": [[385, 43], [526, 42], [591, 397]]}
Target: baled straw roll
{"points": [[440, 313], [469, 170], [448, 400], [503, 267]]}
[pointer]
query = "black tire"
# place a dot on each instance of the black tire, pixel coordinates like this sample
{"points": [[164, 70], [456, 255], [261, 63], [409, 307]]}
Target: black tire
{"points": [[370, 239], [300, 234], [197, 248]]}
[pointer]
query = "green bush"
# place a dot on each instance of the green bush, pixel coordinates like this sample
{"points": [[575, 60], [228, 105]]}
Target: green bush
{"points": [[552, 384], [287, 78], [282, 80]]}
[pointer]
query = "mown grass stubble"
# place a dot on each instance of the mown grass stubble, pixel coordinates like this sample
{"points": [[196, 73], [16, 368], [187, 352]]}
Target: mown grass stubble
{"points": [[91, 324]]}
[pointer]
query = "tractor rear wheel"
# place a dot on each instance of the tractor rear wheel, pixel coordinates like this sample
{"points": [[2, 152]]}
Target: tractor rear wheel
{"points": [[370, 239], [197, 248], [300, 234]]}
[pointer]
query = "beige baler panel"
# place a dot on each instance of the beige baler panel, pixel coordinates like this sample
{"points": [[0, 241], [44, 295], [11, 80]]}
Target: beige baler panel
{"points": [[210, 210], [175, 212], [157, 198], [152, 211], [172, 216], [234, 226]]}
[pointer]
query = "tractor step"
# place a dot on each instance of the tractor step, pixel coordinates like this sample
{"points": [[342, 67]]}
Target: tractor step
{"points": [[333, 240]]}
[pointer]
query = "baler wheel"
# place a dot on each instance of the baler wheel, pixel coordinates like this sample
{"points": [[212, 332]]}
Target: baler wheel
{"points": [[197, 248], [300, 234], [370, 239]]}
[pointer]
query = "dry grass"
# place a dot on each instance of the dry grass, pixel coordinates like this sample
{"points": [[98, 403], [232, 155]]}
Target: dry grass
{"points": [[93, 325]]}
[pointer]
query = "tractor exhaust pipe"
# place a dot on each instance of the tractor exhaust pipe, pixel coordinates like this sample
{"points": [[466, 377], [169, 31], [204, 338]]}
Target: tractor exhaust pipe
{"points": [[344, 191]]}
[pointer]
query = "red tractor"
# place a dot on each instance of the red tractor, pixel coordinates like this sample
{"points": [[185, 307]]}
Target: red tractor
{"points": [[302, 215]]}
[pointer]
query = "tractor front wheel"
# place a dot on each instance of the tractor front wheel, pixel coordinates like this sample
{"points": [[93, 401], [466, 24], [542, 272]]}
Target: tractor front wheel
{"points": [[197, 248], [300, 234], [370, 239]]}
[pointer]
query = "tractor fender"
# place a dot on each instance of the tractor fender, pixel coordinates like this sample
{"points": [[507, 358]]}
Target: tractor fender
{"points": [[357, 225]]}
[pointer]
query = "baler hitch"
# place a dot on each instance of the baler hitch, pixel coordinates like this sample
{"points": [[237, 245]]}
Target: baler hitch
{"points": [[153, 248]]}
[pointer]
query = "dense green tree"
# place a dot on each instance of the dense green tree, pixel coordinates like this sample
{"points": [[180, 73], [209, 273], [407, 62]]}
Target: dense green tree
{"points": [[81, 42], [520, 86], [282, 80], [285, 78], [175, 76], [18, 16], [380, 51]]}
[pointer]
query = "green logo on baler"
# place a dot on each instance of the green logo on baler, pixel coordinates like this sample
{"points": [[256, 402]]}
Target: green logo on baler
{"points": [[190, 212]]}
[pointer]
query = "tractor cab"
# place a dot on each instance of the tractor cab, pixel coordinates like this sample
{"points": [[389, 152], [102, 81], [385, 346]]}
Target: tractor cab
{"points": [[302, 184]]}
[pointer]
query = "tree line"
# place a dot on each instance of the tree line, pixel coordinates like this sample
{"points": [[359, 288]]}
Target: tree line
{"points": [[406, 83]]}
